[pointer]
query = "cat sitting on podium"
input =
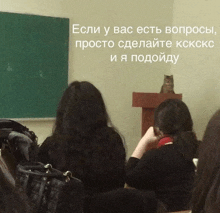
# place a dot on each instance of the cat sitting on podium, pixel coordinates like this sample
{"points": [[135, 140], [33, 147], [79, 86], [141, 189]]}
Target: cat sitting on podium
{"points": [[168, 84]]}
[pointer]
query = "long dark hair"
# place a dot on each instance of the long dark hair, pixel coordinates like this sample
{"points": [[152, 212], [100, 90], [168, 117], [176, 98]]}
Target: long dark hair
{"points": [[173, 118], [207, 185], [81, 110], [83, 134]]}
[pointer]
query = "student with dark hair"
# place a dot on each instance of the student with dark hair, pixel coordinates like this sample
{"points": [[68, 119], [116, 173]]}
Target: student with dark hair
{"points": [[206, 193], [84, 143], [11, 200], [162, 161]]}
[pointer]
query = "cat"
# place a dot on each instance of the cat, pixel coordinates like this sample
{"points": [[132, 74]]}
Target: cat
{"points": [[168, 84]]}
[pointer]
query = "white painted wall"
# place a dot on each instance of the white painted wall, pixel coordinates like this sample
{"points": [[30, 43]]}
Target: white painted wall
{"points": [[197, 72]]}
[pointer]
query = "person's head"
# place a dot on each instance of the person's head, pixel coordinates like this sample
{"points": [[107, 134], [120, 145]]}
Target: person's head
{"points": [[172, 116], [81, 109], [207, 185]]}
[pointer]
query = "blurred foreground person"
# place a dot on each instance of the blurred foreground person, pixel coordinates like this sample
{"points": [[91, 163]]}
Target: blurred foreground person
{"points": [[206, 194]]}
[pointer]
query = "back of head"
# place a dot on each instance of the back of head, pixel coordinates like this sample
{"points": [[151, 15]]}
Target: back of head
{"points": [[173, 118], [81, 109], [207, 186]]}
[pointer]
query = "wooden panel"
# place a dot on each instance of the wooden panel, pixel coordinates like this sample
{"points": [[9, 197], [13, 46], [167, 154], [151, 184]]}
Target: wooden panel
{"points": [[151, 100]]}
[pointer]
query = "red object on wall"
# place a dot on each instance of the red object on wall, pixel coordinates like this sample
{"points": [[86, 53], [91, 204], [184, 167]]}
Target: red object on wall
{"points": [[148, 102]]}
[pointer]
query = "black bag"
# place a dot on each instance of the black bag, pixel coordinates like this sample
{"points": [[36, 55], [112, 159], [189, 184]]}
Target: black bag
{"points": [[18, 140], [50, 190]]}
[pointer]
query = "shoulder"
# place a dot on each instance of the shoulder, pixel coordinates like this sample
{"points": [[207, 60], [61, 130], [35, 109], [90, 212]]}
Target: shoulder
{"points": [[46, 143], [109, 134], [108, 142], [109, 130], [50, 144], [43, 153], [167, 156], [165, 151]]}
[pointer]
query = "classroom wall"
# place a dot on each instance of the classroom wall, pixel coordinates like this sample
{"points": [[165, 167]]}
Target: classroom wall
{"points": [[197, 71], [117, 80]]}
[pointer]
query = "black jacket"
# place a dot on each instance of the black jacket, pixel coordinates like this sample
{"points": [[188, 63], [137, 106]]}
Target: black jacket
{"points": [[165, 171]]}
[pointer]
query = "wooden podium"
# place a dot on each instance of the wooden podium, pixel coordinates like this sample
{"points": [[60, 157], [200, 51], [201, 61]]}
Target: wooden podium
{"points": [[148, 102]]}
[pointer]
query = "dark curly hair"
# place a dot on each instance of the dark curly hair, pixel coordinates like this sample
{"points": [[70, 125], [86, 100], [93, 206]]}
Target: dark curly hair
{"points": [[173, 118]]}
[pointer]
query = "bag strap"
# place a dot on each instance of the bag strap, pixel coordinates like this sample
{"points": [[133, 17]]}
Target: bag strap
{"points": [[43, 171], [41, 191]]}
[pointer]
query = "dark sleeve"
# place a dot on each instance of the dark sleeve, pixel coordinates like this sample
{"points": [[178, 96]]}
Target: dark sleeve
{"points": [[131, 164], [140, 173], [150, 170]]}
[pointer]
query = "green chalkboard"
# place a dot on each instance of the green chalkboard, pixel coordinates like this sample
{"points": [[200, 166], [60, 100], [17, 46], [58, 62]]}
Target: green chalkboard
{"points": [[33, 64]]}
